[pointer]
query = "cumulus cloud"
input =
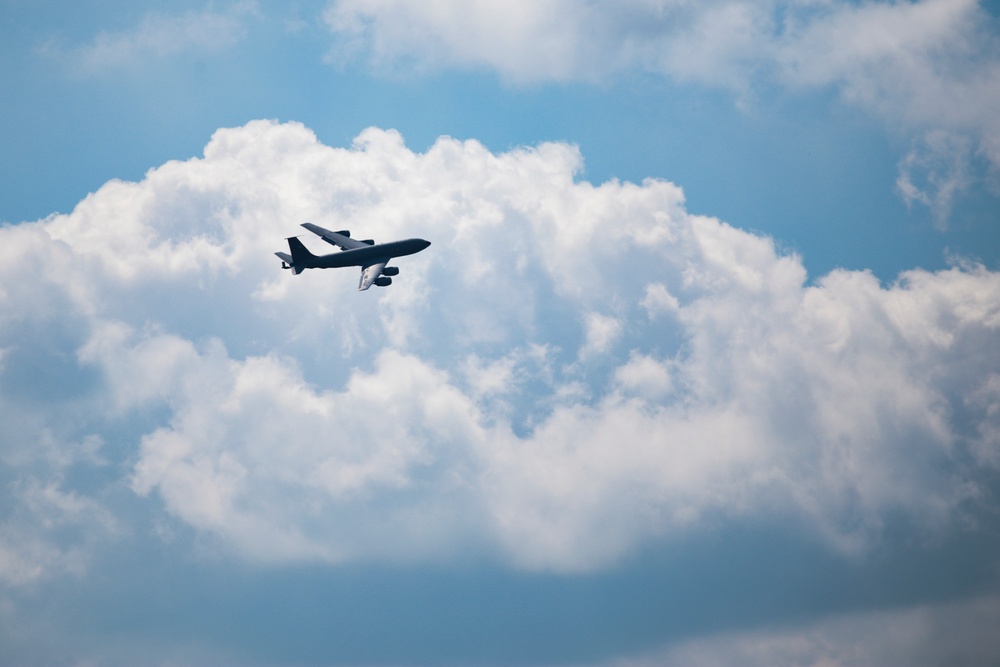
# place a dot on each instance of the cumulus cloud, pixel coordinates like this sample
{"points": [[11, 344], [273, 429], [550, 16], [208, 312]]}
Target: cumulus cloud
{"points": [[926, 68], [569, 372]]}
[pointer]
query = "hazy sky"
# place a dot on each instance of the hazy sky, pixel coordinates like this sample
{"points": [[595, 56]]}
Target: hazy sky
{"points": [[702, 367]]}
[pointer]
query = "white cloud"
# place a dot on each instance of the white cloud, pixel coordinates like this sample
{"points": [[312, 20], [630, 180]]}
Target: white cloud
{"points": [[925, 68], [659, 300], [934, 172], [524, 391], [940, 634], [160, 36], [495, 34], [39, 512], [647, 376], [601, 333]]}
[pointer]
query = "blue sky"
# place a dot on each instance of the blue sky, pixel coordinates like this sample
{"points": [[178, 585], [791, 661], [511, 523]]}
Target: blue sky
{"points": [[700, 368]]}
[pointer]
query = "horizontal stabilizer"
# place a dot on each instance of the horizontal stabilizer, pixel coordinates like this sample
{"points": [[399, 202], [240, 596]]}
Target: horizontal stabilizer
{"points": [[288, 263]]}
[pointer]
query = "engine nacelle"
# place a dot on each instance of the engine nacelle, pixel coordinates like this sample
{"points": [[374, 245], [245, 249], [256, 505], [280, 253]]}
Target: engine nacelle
{"points": [[382, 281], [368, 241], [390, 271]]}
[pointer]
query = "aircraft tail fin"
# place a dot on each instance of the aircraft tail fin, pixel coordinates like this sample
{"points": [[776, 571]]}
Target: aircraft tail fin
{"points": [[300, 258]]}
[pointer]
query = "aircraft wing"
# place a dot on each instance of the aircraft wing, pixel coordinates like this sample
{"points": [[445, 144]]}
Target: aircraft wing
{"points": [[341, 239], [371, 272]]}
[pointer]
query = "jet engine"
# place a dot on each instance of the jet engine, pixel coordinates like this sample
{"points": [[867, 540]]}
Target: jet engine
{"points": [[390, 271], [383, 281]]}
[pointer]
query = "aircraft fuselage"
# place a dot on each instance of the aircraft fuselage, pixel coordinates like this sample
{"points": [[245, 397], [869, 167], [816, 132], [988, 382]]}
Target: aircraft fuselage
{"points": [[363, 256]]}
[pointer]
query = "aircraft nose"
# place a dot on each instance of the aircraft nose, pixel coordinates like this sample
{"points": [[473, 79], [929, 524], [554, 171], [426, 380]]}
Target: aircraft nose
{"points": [[425, 244]]}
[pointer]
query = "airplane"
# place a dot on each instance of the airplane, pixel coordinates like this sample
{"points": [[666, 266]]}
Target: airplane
{"points": [[371, 257]]}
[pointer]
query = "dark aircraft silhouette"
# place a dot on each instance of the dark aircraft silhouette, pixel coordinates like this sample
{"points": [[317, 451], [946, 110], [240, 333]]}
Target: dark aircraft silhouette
{"points": [[371, 257]]}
